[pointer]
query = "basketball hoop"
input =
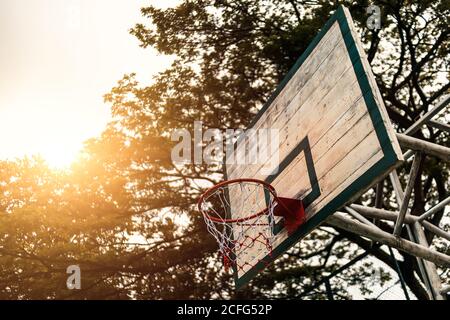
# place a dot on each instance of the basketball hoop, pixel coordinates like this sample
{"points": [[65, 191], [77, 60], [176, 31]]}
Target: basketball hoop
{"points": [[248, 222]]}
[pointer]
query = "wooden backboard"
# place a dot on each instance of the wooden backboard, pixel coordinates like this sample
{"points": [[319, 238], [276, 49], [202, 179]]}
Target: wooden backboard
{"points": [[335, 137]]}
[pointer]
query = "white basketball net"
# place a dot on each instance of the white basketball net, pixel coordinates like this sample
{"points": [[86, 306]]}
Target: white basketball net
{"points": [[250, 231]]}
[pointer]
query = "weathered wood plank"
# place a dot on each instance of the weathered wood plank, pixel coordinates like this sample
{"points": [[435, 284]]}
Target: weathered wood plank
{"points": [[322, 104], [329, 153], [362, 165], [302, 76], [332, 101], [305, 81], [333, 180]]}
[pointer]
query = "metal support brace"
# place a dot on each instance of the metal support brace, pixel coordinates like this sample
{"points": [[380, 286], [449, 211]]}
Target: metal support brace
{"points": [[418, 246], [439, 125], [424, 146], [432, 275], [441, 205], [338, 220], [422, 266], [427, 116], [407, 195], [382, 214], [359, 217]]}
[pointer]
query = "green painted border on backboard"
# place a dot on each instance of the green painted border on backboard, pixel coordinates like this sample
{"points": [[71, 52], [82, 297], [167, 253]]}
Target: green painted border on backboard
{"points": [[389, 159]]}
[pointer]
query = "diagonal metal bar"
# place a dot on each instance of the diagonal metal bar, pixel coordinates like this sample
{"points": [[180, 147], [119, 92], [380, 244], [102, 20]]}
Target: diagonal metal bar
{"points": [[409, 187], [408, 154], [358, 216], [432, 276], [340, 221], [380, 213], [427, 116], [441, 205], [439, 125], [392, 216], [437, 231], [399, 195], [400, 198]]}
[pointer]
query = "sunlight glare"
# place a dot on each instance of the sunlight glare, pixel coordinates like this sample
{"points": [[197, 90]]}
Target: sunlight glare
{"points": [[55, 134], [59, 158]]}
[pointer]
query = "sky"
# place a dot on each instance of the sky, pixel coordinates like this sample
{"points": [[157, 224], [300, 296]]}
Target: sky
{"points": [[57, 60]]}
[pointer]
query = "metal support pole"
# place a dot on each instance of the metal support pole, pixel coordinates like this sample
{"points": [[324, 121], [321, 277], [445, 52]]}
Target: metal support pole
{"points": [[399, 195], [397, 187], [408, 154], [432, 275], [381, 213], [340, 221], [359, 217], [437, 231], [407, 195], [424, 146], [392, 216], [427, 116], [441, 205], [439, 125], [423, 268]]}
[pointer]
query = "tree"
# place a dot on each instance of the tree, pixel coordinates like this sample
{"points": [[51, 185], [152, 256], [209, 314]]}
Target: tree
{"points": [[230, 55]]}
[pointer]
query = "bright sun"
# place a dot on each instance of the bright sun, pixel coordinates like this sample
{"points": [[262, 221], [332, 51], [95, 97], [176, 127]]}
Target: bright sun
{"points": [[55, 72], [55, 134], [59, 158], [58, 144], [42, 127]]}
